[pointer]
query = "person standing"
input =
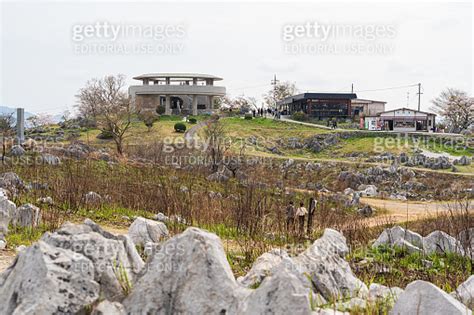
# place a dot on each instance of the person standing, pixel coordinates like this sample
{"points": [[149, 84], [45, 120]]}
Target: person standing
{"points": [[300, 214], [311, 210], [290, 217]]}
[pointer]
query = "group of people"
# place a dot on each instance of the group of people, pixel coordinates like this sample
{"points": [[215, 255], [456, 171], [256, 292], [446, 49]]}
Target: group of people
{"points": [[297, 216]]}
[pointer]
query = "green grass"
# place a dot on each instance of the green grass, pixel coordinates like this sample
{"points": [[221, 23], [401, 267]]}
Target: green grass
{"points": [[24, 235], [446, 271]]}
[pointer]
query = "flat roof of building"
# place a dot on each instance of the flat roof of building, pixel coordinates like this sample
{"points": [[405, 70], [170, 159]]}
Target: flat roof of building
{"points": [[406, 108], [323, 96], [174, 75], [363, 100]]}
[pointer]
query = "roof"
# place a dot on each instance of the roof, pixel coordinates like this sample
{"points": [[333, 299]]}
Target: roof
{"points": [[406, 108], [365, 100], [323, 96], [174, 75]]}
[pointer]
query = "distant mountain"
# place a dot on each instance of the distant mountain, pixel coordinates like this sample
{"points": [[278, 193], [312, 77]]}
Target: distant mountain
{"points": [[10, 110]]}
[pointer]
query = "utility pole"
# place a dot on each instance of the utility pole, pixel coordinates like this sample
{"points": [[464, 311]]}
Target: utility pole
{"points": [[408, 99], [352, 88], [274, 82], [419, 96]]}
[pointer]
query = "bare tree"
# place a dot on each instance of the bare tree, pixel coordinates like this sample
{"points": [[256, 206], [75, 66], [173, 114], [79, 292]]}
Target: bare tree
{"points": [[217, 144], [279, 92], [456, 107], [105, 101], [7, 129]]}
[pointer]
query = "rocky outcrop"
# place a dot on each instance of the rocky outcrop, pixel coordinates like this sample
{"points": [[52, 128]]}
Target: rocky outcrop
{"points": [[396, 234], [27, 215], [421, 297], [189, 274], [143, 231], [441, 243], [48, 280], [109, 308], [92, 198], [7, 213], [330, 273], [382, 294], [465, 292], [262, 267], [115, 259], [284, 292]]}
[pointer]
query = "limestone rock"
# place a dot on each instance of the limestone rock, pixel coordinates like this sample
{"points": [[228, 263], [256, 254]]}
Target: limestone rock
{"points": [[144, 230], [330, 273], [424, 298], [282, 293], [92, 198], [109, 308], [27, 215], [391, 235], [370, 191], [3, 243], [465, 292], [17, 150], [218, 177], [7, 213], [441, 242], [262, 267], [466, 238], [48, 280], [378, 293], [189, 274], [115, 259], [409, 247], [45, 200]]}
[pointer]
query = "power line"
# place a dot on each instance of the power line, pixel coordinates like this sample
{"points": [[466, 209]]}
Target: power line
{"points": [[388, 88]]}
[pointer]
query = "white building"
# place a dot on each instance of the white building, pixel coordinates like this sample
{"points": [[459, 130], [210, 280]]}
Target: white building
{"points": [[401, 119], [179, 93]]}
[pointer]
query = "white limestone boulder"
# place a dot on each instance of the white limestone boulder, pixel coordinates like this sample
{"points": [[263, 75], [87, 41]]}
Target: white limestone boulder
{"points": [[48, 280], [466, 238], [284, 292], [409, 247], [92, 198], [143, 231], [27, 215], [424, 298], [391, 235], [262, 267], [116, 261], [465, 292], [329, 271], [441, 242], [7, 213], [381, 293], [188, 275], [109, 308]]}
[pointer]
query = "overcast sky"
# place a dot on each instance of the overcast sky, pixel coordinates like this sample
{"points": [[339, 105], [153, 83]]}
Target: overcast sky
{"points": [[45, 59]]}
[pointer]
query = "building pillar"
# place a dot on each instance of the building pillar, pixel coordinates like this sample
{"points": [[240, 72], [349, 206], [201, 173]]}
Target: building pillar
{"points": [[195, 105], [168, 81], [20, 125], [211, 101], [168, 105], [195, 81]]}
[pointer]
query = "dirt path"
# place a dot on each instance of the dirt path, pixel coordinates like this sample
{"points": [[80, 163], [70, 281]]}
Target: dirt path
{"points": [[401, 211]]}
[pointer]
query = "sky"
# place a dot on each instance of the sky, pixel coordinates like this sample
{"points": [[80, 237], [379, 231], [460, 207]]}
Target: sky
{"points": [[49, 50]]}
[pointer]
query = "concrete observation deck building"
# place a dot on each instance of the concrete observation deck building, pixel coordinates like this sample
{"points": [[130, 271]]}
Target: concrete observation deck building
{"points": [[178, 93]]}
